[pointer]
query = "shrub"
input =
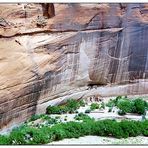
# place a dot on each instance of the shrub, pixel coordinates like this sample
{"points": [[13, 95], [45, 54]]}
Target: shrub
{"points": [[65, 119], [121, 112], [144, 127], [4, 140], [51, 120], [63, 109], [73, 129], [82, 116], [132, 106], [56, 109], [114, 102], [112, 128], [110, 103], [58, 133], [28, 135], [72, 105], [110, 109], [102, 105], [140, 106], [34, 117], [130, 128], [125, 105], [17, 136], [38, 136], [47, 132], [94, 106], [82, 103], [53, 110], [76, 112], [87, 111]]}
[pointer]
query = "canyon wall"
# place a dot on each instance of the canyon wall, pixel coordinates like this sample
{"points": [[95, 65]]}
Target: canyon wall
{"points": [[46, 61]]}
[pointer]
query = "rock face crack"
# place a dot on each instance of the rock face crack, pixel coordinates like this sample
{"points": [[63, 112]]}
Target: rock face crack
{"points": [[55, 32]]}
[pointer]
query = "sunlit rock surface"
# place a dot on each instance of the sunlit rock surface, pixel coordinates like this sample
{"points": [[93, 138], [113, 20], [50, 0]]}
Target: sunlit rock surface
{"points": [[82, 45]]}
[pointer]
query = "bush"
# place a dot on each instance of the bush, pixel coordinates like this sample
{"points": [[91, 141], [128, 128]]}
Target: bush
{"points": [[56, 109], [51, 120], [53, 110], [114, 102], [140, 106], [17, 136], [110, 103], [34, 117], [144, 127], [121, 112], [82, 116], [28, 135], [73, 129], [4, 140], [72, 105], [110, 109], [130, 128], [76, 112], [125, 105], [132, 106], [87, 111], [38, 136], [65, 119], [82, 103], [94, 106], [111, 128], [58, 134], [102, 105]]}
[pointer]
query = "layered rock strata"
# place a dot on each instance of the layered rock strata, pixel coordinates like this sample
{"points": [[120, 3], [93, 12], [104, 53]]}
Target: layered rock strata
{"points": [[82, 45]]}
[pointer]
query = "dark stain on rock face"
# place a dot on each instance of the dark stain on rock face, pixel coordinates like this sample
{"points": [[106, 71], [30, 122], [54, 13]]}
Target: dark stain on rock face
{"points": [[115, 53], [47, 79], [139, 47], [22, 106]]}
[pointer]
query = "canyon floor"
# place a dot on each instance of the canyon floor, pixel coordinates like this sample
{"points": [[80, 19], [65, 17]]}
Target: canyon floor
{"points": [[94, 140]]}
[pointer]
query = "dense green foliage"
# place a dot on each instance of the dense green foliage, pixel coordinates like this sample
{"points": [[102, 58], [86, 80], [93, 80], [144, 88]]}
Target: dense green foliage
{"points": [[82, 103], [82, 116], [140, 106], [28, 135], [121, 112], [53, 130], [34, 117], [113, 102], [126, 105], [56, 109], [94, 106], [4, 140], [70, 107], [102, 105]]}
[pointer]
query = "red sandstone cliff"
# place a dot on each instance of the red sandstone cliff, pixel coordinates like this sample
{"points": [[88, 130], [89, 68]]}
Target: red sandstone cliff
{"points": [[57, 58]]}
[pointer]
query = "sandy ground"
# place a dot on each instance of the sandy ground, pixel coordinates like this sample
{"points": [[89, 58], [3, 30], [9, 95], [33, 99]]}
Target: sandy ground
{"points": [[93, 140]]}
